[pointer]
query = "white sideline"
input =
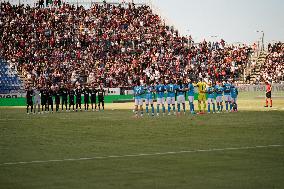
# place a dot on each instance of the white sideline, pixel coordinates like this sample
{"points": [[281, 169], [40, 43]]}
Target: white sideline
{"points": [[142, 154]]}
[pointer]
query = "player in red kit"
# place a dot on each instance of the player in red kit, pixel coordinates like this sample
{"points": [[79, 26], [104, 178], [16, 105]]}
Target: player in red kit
{"points": [[268, 94]]}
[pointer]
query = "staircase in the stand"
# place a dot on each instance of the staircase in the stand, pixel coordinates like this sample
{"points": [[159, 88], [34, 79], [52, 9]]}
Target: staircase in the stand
{"points": [[254, 72]]}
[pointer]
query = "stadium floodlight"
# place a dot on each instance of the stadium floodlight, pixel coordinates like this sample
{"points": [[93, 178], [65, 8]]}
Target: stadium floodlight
{"points": [[262, 39]]}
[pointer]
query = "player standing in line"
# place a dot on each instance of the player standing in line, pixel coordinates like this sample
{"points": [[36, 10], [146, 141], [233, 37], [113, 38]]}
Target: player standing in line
{"points": [[180, 96], [71, 97], [64, 95], [190, 94], [219, 97], [234, 95], [101, 97], [268, 94], [138, 98], [29, 97], [171, 93], [78, 92], [93, 92], [43, 94], [201, 95], [86, 93], [56, 94], [227, 94], [160, 91], [37, 99], [149, 97], [211, 97], [50, 99]]}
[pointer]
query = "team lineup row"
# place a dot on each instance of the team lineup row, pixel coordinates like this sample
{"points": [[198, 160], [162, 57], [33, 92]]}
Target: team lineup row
{"points": [[46, 96], [175, 92]]}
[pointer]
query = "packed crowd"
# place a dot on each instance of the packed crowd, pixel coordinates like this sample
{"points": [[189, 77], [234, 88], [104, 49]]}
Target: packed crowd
{"points": [[273, 68], [113, 45]]}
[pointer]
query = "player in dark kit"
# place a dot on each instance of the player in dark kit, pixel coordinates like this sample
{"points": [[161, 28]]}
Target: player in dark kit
{"points": [[101, 97], [43, 94], [64, 95], [71, 97], [78, 92], [56, 94], [86, 93], [93, 92], [29, 97], [49, 99]]}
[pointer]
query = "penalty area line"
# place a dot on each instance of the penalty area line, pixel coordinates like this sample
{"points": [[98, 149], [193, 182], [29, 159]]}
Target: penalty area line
{"points": [[141, 154]]}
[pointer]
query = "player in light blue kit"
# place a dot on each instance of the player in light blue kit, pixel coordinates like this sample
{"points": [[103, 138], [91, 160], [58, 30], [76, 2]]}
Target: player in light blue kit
{"points": [[171, 92], [181, 96], [138, 97], [190, 94], [219, 95], [160, 91], [234, 96], [211, 97], [227, 94], [149, 97]]}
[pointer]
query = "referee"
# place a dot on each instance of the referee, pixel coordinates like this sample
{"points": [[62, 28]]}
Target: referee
{"points": [[268, 94]]}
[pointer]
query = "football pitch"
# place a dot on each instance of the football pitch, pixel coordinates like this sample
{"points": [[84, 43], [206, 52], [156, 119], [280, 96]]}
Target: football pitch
{"points": [[112, 149]]}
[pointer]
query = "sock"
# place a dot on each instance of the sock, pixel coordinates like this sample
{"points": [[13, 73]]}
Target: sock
{"points": [[174, 108], [147, 108], [227, 106], [192, 106], [141, 112], [213, 107], [152, 109], [221, 107], [208, 107], [270, 102], [218, 107], [204, 106], [164, 109], [199, 106], [158, 108], [266, 102], [183, 106], [231, 106], [178, 107], [169, 108]]}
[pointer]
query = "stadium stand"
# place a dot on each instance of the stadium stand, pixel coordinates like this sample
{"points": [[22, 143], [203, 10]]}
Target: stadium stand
{"points": [[109, 44], [9, 79], [273, 67]]}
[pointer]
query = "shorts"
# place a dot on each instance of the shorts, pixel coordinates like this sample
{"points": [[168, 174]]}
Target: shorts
{"points": [[202, 97], [180, 99], [29, 101], [219, 99], [148, 101], [190, 99], [86, 100], [171, 100], [139, 102], [268, 94], [71, 101], [227, 98], [37, 101], [233, 100], [93, 99], [211, 100], [161, 100]]}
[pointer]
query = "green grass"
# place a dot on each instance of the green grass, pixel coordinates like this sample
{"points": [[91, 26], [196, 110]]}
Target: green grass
{"points": [[91, 134]]}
